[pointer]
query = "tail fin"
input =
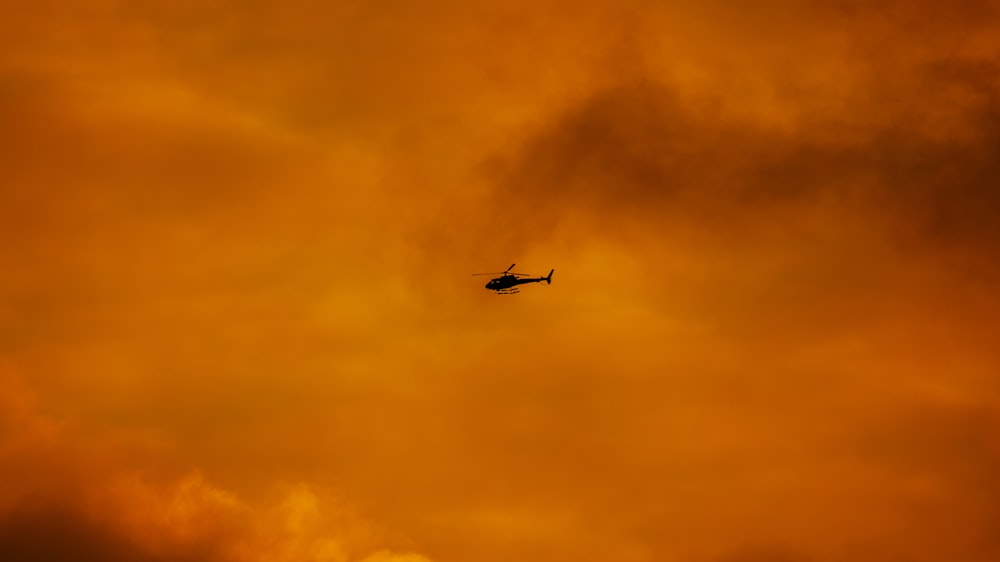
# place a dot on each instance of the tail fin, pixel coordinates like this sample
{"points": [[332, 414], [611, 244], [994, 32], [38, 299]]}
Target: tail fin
{"points": [[549, 278]]}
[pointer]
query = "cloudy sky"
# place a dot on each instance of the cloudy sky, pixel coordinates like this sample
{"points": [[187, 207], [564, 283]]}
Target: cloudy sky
{"points": [[237, 321]]}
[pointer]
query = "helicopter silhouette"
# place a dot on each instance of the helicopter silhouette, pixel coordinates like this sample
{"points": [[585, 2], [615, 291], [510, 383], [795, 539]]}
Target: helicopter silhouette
{"points": [[507, 283]]}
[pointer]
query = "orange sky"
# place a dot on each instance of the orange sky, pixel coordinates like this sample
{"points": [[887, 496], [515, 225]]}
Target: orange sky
{"points": [[237, 322]]}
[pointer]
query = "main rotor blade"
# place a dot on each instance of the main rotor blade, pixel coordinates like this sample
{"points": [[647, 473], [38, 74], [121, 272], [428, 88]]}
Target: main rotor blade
{"points": [[494, 273], [510, 268]]}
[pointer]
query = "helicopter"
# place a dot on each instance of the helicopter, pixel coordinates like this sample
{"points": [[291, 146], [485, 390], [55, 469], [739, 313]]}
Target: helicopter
{"points": [[507, 283]]}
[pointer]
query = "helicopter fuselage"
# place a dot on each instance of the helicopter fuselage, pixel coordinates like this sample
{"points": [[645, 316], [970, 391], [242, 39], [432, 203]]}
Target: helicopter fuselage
{"points": [[508, 281]]}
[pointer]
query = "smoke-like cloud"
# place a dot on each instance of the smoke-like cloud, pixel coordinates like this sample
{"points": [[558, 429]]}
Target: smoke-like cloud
{"points": [[70, 496], [641, 152]]}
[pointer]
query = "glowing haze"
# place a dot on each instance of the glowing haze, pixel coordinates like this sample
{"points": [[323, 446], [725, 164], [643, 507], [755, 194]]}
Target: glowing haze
{"points": [[237, 321]]}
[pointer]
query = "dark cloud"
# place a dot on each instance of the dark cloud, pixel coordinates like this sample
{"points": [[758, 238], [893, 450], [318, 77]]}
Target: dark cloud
{"points": [[42, 535], [643, 152], [47, 533]]}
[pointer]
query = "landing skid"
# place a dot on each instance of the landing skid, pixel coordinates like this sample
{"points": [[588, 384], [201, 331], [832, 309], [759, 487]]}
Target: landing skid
{"points": [[507, 291]]}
